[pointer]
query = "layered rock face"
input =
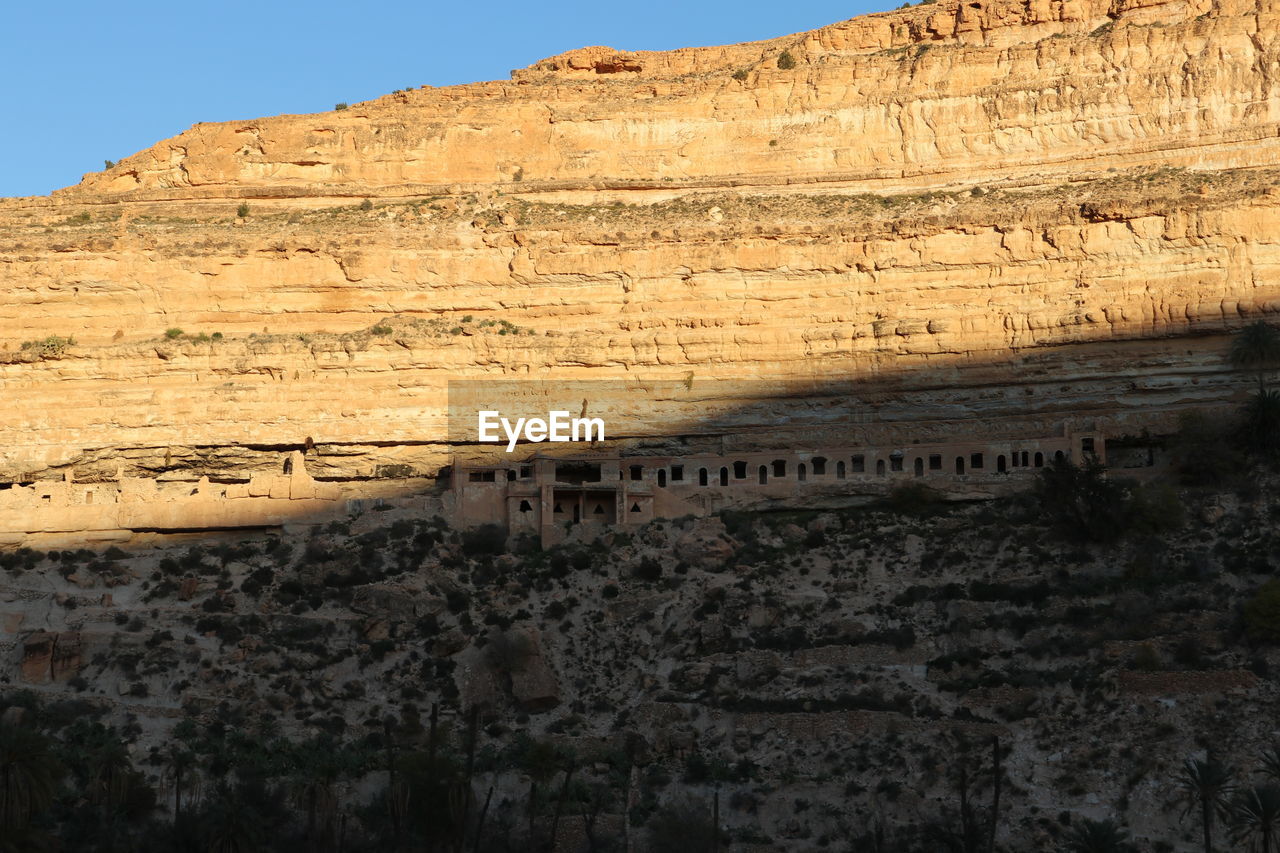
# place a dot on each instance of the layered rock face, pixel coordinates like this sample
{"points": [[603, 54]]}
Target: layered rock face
{"points": [[995, 215]]}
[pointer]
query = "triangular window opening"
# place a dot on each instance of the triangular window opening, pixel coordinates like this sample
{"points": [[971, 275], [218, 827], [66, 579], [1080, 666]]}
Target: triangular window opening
{"points": [[635, 507]]}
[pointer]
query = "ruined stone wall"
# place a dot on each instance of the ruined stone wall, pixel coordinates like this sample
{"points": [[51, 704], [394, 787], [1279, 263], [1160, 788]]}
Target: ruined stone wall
{"points": [[133, 504]]}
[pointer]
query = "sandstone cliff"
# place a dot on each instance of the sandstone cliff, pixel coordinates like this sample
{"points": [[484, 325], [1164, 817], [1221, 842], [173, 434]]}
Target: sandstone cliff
{"points": [[974, 210]]}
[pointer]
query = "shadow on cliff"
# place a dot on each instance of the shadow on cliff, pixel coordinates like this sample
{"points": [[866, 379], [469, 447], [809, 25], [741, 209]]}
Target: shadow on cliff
{"points": [[1114, 388]]}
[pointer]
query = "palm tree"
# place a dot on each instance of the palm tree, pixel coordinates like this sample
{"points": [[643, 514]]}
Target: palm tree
{"points": [[1205, 786], [230, 825], [180, 762], [1256, 347], [28, 776], [1271, 763], [111, 769], [1097, 836], [1262, 419], [1255, 816]]}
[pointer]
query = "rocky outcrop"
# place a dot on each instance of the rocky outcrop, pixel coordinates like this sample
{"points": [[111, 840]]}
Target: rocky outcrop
{"points": [[944, 92], [533, 683], [50, 656]]}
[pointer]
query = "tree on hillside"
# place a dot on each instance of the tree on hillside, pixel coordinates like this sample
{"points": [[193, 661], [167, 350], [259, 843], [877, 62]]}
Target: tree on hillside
{"points": [[1205, 786], [1262, 421], [1256, 347], [230, 824], [1097, 836], [1255, 818], [1262, 624], [29, 776], [1081, 502], [1271, 763]]}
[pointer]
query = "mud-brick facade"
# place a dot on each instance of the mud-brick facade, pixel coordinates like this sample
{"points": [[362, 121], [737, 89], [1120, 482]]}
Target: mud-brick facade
{"points": [[548, 496]]}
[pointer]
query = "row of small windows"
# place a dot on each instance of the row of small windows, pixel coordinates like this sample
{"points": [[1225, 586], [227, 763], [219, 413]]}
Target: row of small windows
{"points": [[525, 506], [818, 465], [858, 465]]}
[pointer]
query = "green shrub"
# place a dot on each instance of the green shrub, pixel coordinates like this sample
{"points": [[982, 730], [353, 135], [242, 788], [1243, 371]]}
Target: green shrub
{"points": [[485, 540], [740, 74], [1081, 502], [50, 347], [1261, 422], [381, 330], [786, 61], [913, 499], [173, 334], [1204, 452], [683, 825], [108, 164], [1146, 659], [367, 204], [1154, 508], [1262, 614], [243, 210], [341, 105]]}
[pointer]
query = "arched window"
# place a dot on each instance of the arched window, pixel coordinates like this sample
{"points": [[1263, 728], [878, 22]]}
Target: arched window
{"points": [[919, 466], [879, 467], [959, 464], [1039, 460], [1025, 459], [724, 476], [802, 473], [511, 475], [702, 476], [662, 478], [1001, 465], [840, 470], [764, 474]]}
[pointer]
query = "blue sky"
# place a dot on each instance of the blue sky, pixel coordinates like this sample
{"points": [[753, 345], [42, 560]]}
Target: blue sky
{"points": [[90, 81]]}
